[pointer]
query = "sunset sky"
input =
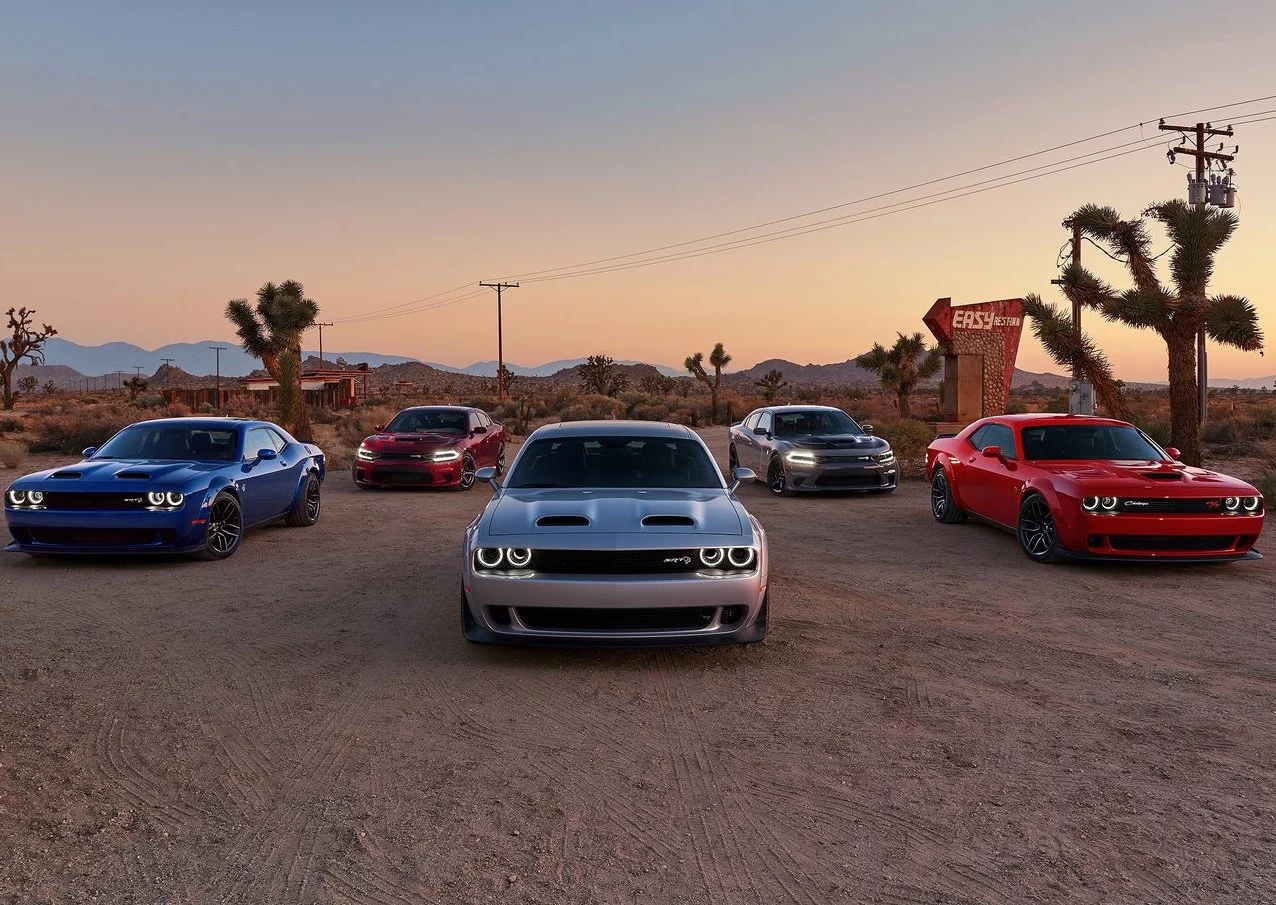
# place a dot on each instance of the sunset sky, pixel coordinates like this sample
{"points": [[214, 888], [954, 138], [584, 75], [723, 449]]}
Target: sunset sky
{"points": [[161, 158]]}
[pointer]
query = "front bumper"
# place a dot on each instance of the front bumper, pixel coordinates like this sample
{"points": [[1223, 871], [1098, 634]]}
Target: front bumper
{"points": [[406, 473], [1171, 538], [622, 610], [77, 532], [830, 475]]}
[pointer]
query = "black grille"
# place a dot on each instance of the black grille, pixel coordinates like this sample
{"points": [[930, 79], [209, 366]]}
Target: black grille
{"points": [[1213, 506], [94, 501], [670, 619], [866, 480], [402, 476], [97, 537], [616, 562], [400, 456], [1185, 544]]}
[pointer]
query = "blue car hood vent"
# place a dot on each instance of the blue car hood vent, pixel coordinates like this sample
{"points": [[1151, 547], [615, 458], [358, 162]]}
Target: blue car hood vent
{"points": [[135, 475], [66, 474]]}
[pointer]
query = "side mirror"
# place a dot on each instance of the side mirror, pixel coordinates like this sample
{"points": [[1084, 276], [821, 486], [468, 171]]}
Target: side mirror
{"points": [[867, 428], [488, 474], [479, 430], [1171, 452], [89, 451], [267, 454], [740, 474], [378, 428], [992, 452], [761, 431]]}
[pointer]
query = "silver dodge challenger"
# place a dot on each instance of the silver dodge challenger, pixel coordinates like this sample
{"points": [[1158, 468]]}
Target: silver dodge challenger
{"points": [[614, 532]]}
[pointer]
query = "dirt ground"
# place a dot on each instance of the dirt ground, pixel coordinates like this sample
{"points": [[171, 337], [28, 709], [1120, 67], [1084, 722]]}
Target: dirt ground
{"points": [[933, 719]]}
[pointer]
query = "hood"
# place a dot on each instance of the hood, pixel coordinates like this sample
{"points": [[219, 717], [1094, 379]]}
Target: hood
{"points": [[851, 442], [1147, 477], [120, 475], [410, 442], [710, 511]]}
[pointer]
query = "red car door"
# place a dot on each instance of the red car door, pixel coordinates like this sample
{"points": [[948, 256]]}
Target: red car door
{"points": [[991, 488]]}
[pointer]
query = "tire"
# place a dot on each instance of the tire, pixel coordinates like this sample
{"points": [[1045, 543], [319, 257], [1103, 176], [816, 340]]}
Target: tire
{"points": [[733, 460], [942, 506], [467, 474], [309, 507], [1036, 530], [225, 528], [776, 480], [500, 461]]}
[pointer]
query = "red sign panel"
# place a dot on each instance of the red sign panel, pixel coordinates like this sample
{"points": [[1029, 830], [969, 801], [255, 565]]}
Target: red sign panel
{"points": [[985, 327]]}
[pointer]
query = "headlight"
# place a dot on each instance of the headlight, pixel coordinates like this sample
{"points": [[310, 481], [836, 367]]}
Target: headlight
{"points": [[365, 454], [155, 498], [740, 557], [712, 556], [1251, 503], [446, 455], [35, 497], [18, 497], [1108, 503], [173, 498], [886, 457], [518, 557], [1232, 503], [800, 457], [1090, 504], [489, 557]]}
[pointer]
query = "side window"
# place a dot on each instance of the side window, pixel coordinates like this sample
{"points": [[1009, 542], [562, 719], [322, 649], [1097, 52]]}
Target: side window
{"points": [[258, 439], [278, 441], [765, 421], [484, 420], [474, 420], [752, 421], [1005, 438], [982, 437]]}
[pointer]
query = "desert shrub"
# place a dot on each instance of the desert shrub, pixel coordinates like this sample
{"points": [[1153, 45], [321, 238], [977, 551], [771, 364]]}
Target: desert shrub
{"points": [[71, 433], [1267, 483], [1224, 430], [148, 401], [1155, 428], [177, 410], [12, 453], [908, 439], [360, 423], [206, 408], [591, 408], [10, 425], [645, 412]]}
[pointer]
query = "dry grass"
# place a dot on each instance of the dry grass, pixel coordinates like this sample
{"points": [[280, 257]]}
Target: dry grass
{"points": [[12, 453]]}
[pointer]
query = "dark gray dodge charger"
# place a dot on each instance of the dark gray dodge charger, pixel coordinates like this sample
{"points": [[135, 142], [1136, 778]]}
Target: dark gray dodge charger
{"points": [[812, 448]]}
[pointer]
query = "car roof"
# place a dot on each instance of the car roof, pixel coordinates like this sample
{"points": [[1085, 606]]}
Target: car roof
{"points": [[799, 408], [1032, 419], [214, 423], [440, 408], [614, 429]]}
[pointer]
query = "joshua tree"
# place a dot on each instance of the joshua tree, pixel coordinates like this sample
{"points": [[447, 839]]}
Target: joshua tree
{"points": [[600, 375], [1054, 330], [49, 388], [771, 384], [27, 385], [494, 387], [1177, 310], [272, 332], [657, 384], [25, 343], [719, 359], [135, 385], [902, 367]]}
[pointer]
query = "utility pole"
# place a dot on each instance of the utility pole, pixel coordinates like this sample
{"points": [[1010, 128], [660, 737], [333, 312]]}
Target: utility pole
{"points": [[500, 347], [217, 350], [321, 326], [168, 370], [1200, 131]]}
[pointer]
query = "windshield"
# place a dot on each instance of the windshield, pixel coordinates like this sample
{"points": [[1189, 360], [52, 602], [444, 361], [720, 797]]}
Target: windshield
{"points": [[1089, 441], [170, 442], [429, 421], [614, 462], [814, 422]]}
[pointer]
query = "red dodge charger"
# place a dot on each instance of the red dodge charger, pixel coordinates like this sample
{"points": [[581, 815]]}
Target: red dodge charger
{"points": [[431, 445], [1075, 487]]}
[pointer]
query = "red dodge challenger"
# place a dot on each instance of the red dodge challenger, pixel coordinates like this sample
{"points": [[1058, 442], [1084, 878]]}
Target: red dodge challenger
{"points": [[1075, 487], [431, 446]]}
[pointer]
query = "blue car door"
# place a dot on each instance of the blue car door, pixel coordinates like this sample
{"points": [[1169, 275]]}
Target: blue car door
{"points": [[265, 485]]}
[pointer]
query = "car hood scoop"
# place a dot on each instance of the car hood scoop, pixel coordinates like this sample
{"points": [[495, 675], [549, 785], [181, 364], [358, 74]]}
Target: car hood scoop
{"points": [[1123, 477], [105, 474], [840, 441], [706, 511]]}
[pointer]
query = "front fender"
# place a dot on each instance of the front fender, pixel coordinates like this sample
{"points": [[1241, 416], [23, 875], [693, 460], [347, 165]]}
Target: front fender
{"points": [[1066, 509]]}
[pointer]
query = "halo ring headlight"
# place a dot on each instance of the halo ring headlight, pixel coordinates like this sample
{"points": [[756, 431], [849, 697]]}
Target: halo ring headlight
{"points": [[1108, 503], [1090, 504], [17, 497], [740, 557], [155, 498], [173, 498], [489, 557], [518, 557], [712, 556], [35, 497], [1250, 503], [1232, 503]]}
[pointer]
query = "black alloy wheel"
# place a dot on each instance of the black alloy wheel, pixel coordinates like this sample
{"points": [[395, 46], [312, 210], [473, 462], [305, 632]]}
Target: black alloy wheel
{"points": [[776, 480], [1038, 536], [942, 506], [467, 473], [733, 460], [225, 528], [500, 461], [307, 511]]}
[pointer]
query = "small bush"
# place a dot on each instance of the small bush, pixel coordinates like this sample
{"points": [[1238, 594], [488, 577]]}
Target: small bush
{"points": [[10, 425], [1158, 430], [148, 401], [206, 408], [908, 440], [12, 454], [1267, 484], [71, 433]]}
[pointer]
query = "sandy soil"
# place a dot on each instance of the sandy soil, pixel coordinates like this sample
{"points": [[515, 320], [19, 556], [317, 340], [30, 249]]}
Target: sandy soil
{"points": [[932, 720]]}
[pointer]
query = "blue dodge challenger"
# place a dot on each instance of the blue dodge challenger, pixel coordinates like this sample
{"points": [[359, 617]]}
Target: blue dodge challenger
{"points": [[174, 485]]}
